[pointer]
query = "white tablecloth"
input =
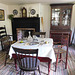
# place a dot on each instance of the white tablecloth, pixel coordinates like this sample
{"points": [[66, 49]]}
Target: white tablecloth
{"points": [[45, 50]]}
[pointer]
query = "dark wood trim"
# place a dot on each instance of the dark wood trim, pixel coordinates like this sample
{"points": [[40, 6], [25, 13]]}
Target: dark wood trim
{"points": [[29, 22], [60, 4]]}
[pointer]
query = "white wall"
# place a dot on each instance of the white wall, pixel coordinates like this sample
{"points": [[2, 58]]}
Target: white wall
{"points": [[73, 17], [31, 6], [73, 23], [41, 9], [45, 13], [6, 21], [17, 7]]}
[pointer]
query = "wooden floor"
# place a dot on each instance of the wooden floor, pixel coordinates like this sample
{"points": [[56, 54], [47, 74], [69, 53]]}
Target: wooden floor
{"points": [[9, 69]]}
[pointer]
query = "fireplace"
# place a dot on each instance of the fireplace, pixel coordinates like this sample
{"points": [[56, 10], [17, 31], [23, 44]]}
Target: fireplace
{"points": [[23, 32], [30, 22]]}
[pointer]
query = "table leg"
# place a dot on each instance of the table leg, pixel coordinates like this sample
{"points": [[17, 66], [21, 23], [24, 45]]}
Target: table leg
{"points": [[49, 68], [15, 63], [66, 60], [46, 59]]}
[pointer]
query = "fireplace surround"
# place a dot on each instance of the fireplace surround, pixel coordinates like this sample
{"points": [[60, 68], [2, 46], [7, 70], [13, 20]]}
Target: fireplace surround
{"points": [[29, 22], [23, 32]]}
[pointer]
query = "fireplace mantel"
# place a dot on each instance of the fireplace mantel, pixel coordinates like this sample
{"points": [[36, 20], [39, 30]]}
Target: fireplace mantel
{"points": [[30, 22]]}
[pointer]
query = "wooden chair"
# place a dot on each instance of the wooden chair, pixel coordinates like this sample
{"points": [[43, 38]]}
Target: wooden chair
{"points": [[5, 42], [39, 33], [59, 50], [2, 32], [26, 59]]}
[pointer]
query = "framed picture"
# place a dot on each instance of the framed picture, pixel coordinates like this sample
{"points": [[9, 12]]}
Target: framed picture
{"points": [[2, 16]]}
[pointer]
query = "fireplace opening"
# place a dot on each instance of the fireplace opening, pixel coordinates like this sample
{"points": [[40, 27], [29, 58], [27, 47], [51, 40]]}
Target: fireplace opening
{"points": [[23, 32]]}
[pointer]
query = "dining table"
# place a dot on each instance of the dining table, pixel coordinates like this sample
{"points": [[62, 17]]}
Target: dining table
{"points": [[44, 46]]}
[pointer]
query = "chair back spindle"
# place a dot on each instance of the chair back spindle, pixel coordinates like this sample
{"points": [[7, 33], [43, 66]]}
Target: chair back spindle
{"points": [[41, 34], [3, 32], [27, 58]]}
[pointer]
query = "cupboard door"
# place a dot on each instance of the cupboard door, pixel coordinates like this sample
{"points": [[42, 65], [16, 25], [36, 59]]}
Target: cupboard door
{"points": [[66, 17], [61, 16], [55, 17]]}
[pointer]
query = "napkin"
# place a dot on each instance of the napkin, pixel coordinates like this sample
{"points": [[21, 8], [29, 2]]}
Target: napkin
{"points": [[26, 43]]}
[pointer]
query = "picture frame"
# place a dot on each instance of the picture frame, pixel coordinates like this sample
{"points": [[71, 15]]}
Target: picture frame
{"points": [[2, 15]]}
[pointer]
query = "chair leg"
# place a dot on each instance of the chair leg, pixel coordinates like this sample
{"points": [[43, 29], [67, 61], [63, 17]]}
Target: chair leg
{"points": [[60, 58], [20, 72], [23, 72], [6, 59], [34, 72], [49, 68], [66, 60], [39, 70], [15, 64], [56, 62]]}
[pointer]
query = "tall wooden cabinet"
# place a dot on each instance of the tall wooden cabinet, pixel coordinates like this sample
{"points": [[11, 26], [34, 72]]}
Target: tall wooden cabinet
{"points": [[60, 20]]}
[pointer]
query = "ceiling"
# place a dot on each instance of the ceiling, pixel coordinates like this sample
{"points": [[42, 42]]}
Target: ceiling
{"points": [[19, 2]]}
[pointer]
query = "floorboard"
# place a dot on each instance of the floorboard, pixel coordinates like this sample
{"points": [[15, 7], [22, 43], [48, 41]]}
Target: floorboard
{"points": [[9, 69]]}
